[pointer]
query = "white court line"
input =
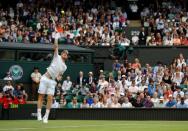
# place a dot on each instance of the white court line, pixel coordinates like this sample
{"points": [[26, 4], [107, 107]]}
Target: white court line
{"points": [[82, 126]]}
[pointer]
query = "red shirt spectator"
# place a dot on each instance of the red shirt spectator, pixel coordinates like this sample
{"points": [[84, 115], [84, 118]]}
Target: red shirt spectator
{"points": [[184, 41]]}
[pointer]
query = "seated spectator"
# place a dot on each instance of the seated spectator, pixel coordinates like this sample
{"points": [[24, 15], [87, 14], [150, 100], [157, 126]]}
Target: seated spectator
{"points": [[151, 88], [55, 104], [19, 92], [84, 104], [95, 103], [102, 84], [142, 86], [81, 80], [133, 88], [104, 104], [63, 102], [184, 40], [148, 103], [138, 103], [73, 104], [178, 92], [8, 88], [126, 104], [67, 84], [8, 77], [171, 103], [115, 103], [155, 99], [182, 104], [176, 40], [90, 78], [161, 103], [90, 99]]}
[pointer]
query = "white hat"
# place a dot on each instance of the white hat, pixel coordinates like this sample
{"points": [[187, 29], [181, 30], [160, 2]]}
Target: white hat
{"points": [[122, 94]]}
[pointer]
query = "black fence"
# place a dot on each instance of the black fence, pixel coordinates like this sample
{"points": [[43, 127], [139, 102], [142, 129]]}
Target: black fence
{"points": [[24, 112]]}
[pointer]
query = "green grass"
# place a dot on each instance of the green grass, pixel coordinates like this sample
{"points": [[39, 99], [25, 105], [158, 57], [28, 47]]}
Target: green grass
{"points": [[62, 125]]}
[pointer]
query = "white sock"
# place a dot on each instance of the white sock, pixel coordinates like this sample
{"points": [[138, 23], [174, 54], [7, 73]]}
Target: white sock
{"points": [[47, 113], [39, 111]]}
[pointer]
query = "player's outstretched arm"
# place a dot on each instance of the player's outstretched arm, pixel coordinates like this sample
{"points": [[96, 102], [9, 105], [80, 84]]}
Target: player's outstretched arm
{"points": [[55, 47]]}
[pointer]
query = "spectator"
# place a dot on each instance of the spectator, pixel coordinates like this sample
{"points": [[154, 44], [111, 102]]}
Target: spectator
{"points": [[178, 92], [115, 103], [73, 104], [81, 80], [142, 37], [35, 76], [148, 103], [182, 104], [133, 88], [151, 88], [8, 88], [19, 92], [84, 104], [171, 103], [138, 103], [126, 104], [155, 99], [95, 103], [8, 77], [67, 84]]}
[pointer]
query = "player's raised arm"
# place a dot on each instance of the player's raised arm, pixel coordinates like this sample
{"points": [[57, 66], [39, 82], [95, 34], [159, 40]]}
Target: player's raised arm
{"points": [[56, 48]]}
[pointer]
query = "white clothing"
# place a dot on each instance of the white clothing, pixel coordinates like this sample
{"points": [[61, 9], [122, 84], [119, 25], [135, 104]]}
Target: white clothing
{"points": [[97, 105], [66, 85], [57, 66], [47, 86], [36, 76], [8, 78], [6, 88], [126, 105]]}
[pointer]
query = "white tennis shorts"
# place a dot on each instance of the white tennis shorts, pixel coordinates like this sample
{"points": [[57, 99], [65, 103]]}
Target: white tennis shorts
{"points": [[47, 86]]}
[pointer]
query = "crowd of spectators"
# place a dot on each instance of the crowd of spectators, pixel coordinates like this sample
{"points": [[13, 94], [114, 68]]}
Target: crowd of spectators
{"points": [[76, 24], [129, 85], [92, 24], [168, 25], [12, 95]]}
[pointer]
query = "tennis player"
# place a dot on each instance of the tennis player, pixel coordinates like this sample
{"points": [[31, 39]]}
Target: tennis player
{"points": [[48, 83]]}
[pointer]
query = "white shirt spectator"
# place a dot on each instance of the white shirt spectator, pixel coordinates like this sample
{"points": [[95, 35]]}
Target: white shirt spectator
{"points": [[135, 40], [36, 76], [55, 104], [133, 89], [142, 87], [134, 8], [66, 85], [8, 87], [8, 78], [155, 101], [115, 105], [96, 105], [176, 93], [126, 105], [122, 85]]}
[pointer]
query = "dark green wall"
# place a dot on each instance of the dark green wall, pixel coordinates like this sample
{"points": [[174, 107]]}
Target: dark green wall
{"points": [[72, 69]]}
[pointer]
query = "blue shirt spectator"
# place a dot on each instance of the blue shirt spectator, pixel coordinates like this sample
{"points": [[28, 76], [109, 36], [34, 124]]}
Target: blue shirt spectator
{"points": [[151, 88], [171, 103], [182, 104]]}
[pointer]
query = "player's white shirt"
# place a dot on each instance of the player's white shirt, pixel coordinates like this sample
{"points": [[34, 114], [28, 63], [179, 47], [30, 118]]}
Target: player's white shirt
{"points": [[57, 66]]}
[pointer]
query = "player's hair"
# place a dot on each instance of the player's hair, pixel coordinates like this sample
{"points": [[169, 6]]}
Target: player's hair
{"points": [[65, 51]]}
